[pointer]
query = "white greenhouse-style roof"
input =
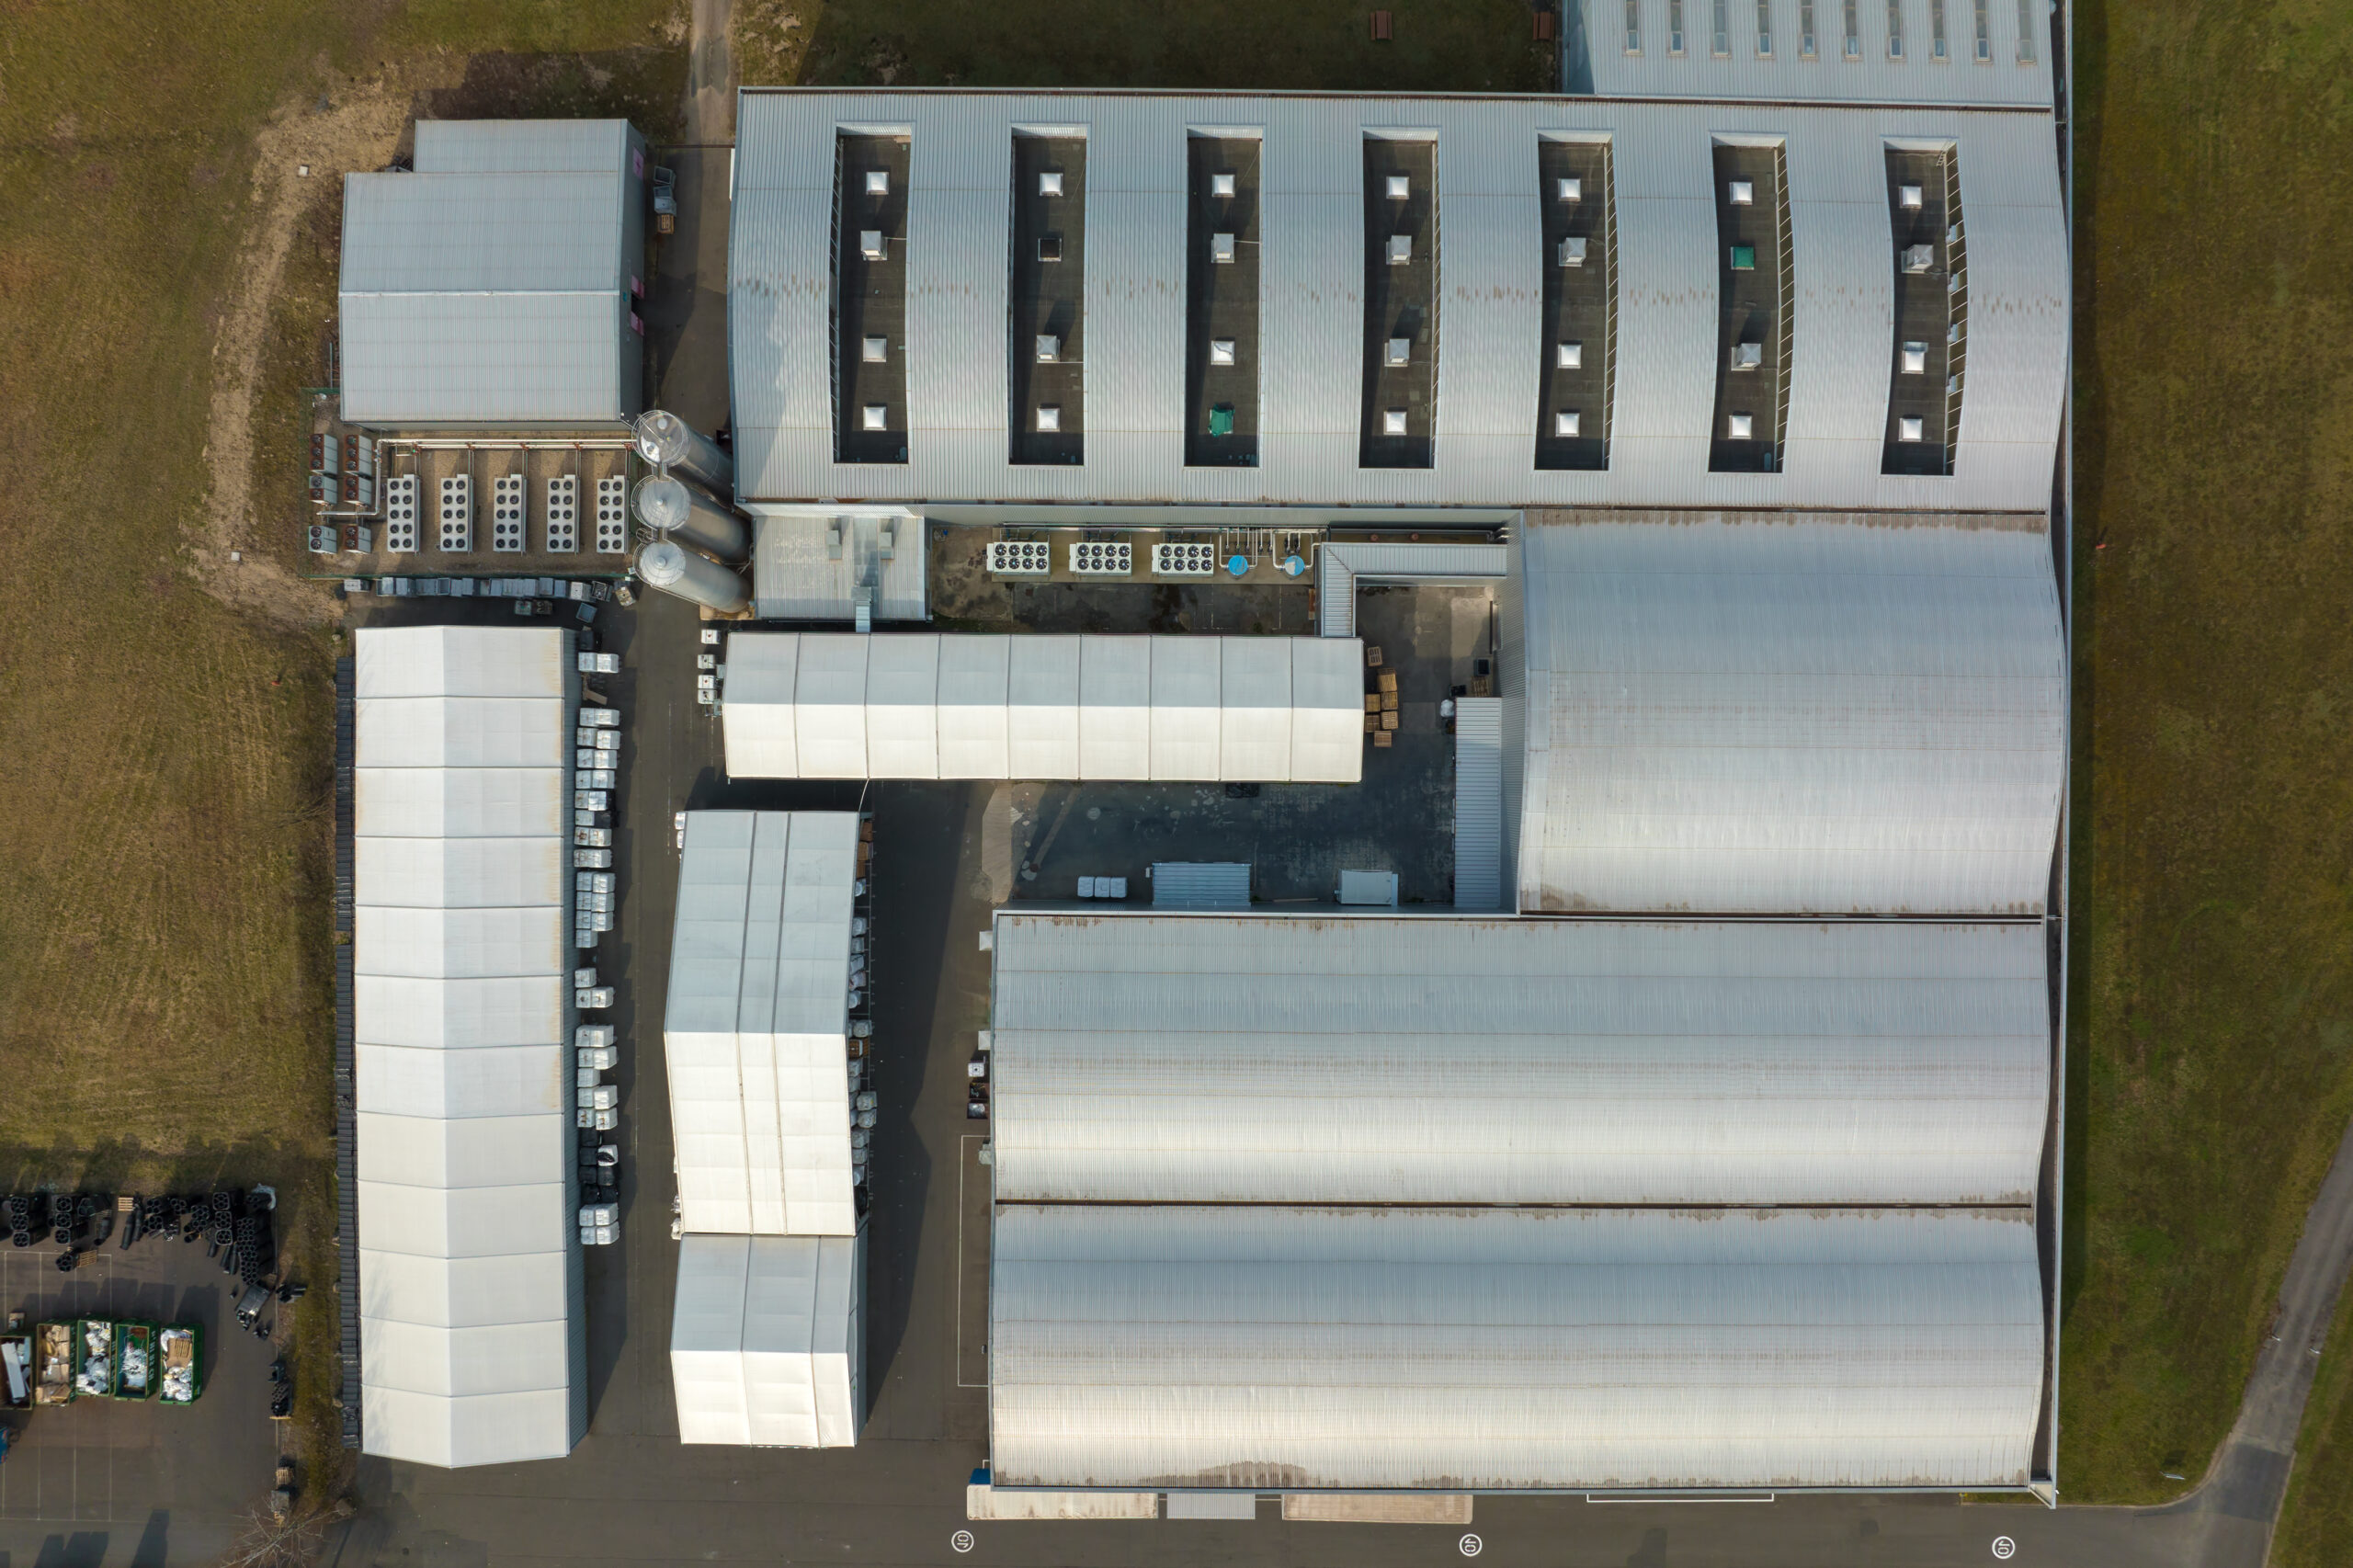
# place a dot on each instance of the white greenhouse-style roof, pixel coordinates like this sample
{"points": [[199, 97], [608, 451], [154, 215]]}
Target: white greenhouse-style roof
{"points": [[1787, 714], [1373, 1059], [767, 1340], [472, 1341], [756, 1033], [1291, 1348], [1311, 328], [920, 705]]}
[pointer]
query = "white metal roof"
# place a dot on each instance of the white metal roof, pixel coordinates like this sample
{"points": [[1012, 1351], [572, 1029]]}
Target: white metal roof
{"points": [[756, 1030], [1378, 1060], [1498, 1348], [1783, 714], [470, 1343], [766, 1340], [920, 705], [797, 575], [1770, 61], [1312, 321]]}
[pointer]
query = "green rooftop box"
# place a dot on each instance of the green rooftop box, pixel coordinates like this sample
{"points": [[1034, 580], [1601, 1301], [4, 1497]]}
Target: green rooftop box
{"points": [[1744, 259], [1222, 419]]}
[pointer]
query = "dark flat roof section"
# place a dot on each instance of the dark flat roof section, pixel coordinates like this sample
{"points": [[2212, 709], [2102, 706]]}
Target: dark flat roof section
{"points": [[1222, 302], [870, 299], [1400, 303], [1753, 330], [1047, 343], [1579, 346], [1931, 346]]}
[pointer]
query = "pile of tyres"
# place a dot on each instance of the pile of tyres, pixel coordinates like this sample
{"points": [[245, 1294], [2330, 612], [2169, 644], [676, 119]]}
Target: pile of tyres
{"points": [[233, 1224]]}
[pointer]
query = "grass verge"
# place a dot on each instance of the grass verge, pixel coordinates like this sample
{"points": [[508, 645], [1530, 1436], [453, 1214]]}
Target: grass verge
{"points": [[2317, 1521], [2211, 1073]]}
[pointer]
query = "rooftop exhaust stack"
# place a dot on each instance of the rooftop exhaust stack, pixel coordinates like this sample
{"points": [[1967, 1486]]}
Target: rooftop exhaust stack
{"points": [[671, 506], [679, 572], [669, 442]]}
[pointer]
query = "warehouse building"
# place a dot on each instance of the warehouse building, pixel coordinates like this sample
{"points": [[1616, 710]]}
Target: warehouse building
{"points": [[472, 1343]]}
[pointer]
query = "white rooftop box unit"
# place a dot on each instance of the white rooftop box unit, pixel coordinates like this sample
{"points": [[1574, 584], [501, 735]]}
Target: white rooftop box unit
{"points": [[1573, 251], [1050, 417], [875, 417], [1738, 426], [1050, 348], [1019, 558], [875, 350], [1399, 351], [1221, 184], [1919, 258], [1401, 249], [1222, 248], [1094, 558], [878, 182], [1220, 351], [1908, 428], [1184, 561], [1400, 187], [1050, 182], [1393, 421], [1740, 192], [1915, 358], [1375, 888], [1568, 187], [869, 243], [1748, 355], [1907, 197], [1567, 421], [1569, 356]]}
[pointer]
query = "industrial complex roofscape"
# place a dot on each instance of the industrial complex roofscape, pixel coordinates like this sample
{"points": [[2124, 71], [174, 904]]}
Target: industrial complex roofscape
{"points": [[1550, 615]]}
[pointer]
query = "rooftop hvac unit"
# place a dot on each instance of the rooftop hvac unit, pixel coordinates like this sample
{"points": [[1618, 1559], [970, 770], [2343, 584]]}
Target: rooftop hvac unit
{"points": [[358, 538], [874, 416], [1184, 561], [1050, 182], [1050, 417], [1220, 351], [1738, 427], [559, 515], [1393, 421], [1398, 351], [878, 182], [875, 350], [1221, 184], [1907, 197], [1018, 558], [1740, 192], [1050, 348], [1568, 356], [613, 513], [323, 490], [1093, 559], [323, 538], [1566, 422], [507, 514], [359, 453], [1915, 359], [1220, 248], [1400, 187], [1748, 355], [1401, 249], [1919, 258], [326, 453], [1568, 187], [456, 512], [1049, 248], [1909, 428], [870, 244]]}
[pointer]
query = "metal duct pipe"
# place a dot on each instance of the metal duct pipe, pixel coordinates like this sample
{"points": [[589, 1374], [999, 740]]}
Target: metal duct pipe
{"points": [[698, 579], [670, 443], [672, 506]]}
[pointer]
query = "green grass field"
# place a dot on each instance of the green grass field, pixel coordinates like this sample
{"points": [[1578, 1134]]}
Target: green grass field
{"points": [[2211, 1072]]}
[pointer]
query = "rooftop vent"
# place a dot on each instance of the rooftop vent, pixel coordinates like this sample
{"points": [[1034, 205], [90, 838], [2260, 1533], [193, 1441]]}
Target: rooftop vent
{"points": [[869, 243], [878, 182], [1400, 187], [875, 417], [1919, 258], [1400, 250], [1050, 183], [1908, 197], [1393, 421], [1399, 351], [1738, 426], [1568, 187], [1050, 348], [1049, 248], [1909, 429], [876, 351], [1915, 358], [1050, 417], [1566, 422], [1573, 251], [1220, 351], [1744, 259], [1569, 356], [1741, 192], [1222, 247], [1221, 184], [1748, 355]]}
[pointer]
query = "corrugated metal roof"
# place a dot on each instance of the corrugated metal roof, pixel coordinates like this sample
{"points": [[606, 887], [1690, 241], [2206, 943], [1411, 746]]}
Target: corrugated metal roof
{"points": [[1478, 804], [1340, 565], [1200, 884], [552, 146], [796, 575], [476, 233], [1312, 320], [1791, 714], [469, 1264], [1765, 61], [1377, 1060], [1471, 1349]]}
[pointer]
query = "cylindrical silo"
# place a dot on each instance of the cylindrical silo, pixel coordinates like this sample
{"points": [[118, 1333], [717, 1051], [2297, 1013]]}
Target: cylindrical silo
{"points": [[669, 442], [672, 506], [672, 568]]}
